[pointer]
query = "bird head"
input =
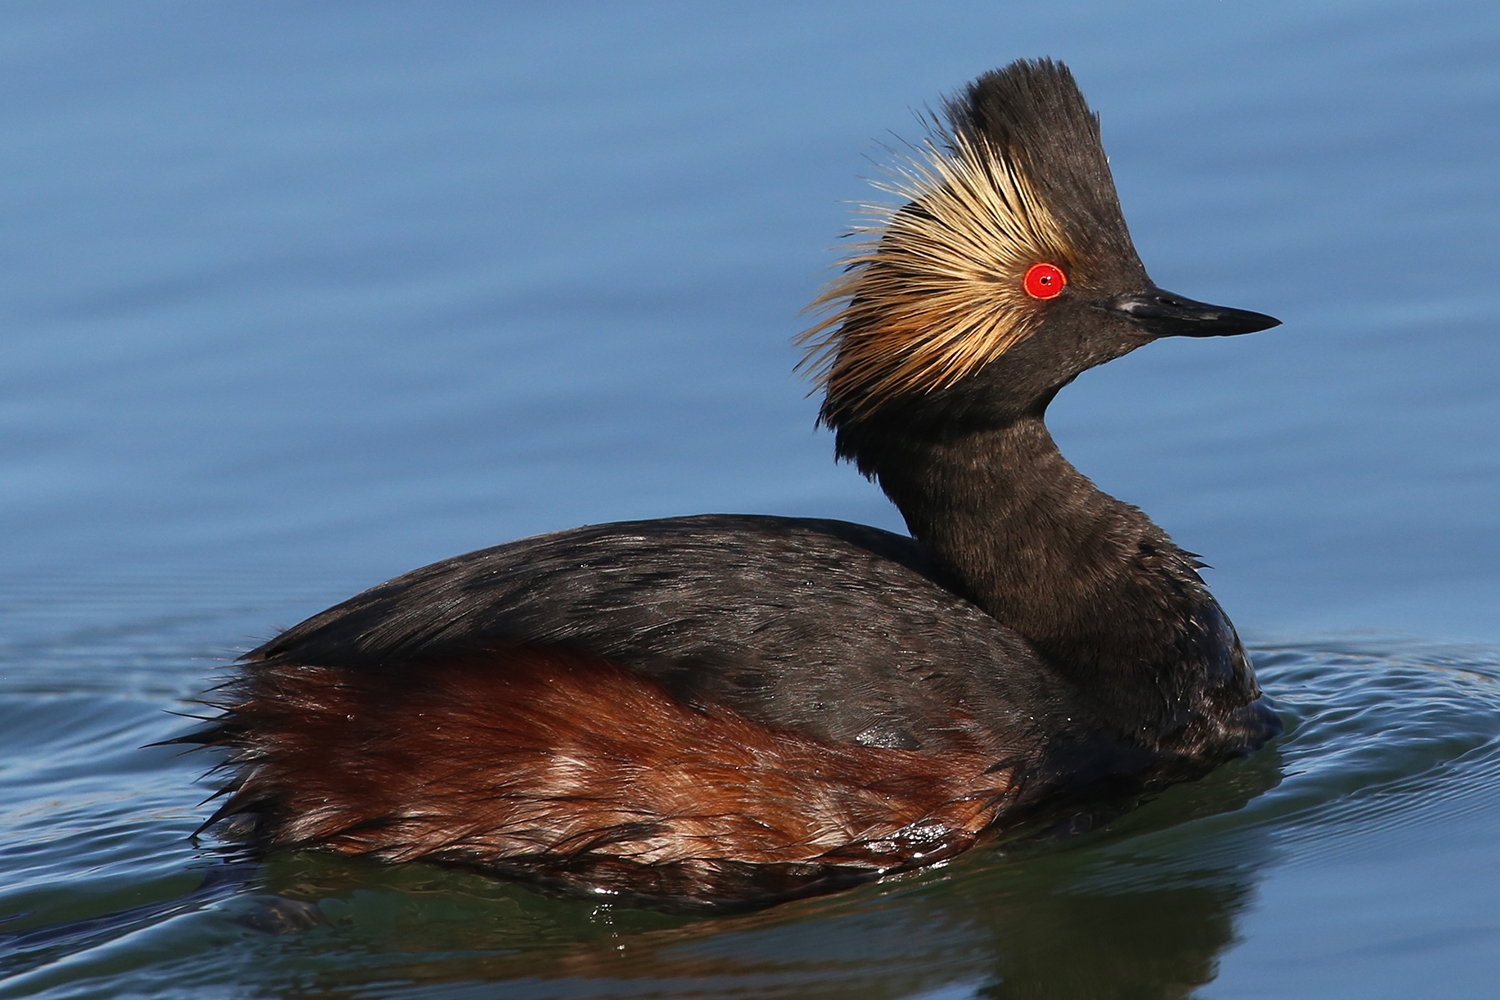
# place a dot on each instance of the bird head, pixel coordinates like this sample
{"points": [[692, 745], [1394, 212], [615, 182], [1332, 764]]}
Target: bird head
{"points": [[1007, 271]]}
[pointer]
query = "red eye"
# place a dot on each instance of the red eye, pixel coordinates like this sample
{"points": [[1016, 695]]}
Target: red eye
{"points": [[1044, 281]]}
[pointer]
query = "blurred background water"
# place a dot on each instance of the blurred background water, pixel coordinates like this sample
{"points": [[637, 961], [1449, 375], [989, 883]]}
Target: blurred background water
{"points": [[297, 297]]}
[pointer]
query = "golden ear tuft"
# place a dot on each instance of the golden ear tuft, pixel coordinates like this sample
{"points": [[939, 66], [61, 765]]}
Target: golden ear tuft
{"points": [[936, 288]]}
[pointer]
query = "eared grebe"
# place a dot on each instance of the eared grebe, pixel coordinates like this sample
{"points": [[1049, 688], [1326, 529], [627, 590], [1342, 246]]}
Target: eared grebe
{"points": [[728, 711]]}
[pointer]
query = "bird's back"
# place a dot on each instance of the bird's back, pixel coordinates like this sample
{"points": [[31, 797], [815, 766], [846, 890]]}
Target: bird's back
{"points": [[841, 632]]}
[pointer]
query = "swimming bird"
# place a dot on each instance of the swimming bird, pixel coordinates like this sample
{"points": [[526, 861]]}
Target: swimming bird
{"points": [[728, 711]]}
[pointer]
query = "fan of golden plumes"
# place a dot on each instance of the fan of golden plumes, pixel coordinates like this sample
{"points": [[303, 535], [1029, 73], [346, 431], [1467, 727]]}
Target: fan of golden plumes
{"points": [[935, 290]]}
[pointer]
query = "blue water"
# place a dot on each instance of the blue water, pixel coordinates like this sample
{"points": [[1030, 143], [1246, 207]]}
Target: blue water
{"points": [[298, 297]]}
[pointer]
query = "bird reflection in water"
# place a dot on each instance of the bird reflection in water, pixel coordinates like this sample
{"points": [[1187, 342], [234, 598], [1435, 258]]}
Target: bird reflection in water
{"points": [[1143, 906]]}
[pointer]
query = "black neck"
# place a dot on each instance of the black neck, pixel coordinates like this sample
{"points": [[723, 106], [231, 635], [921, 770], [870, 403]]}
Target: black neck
{"points": [[1096, 587]]}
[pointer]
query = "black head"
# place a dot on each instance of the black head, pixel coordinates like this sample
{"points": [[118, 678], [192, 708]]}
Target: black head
{"points": [[1007, 273]]}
